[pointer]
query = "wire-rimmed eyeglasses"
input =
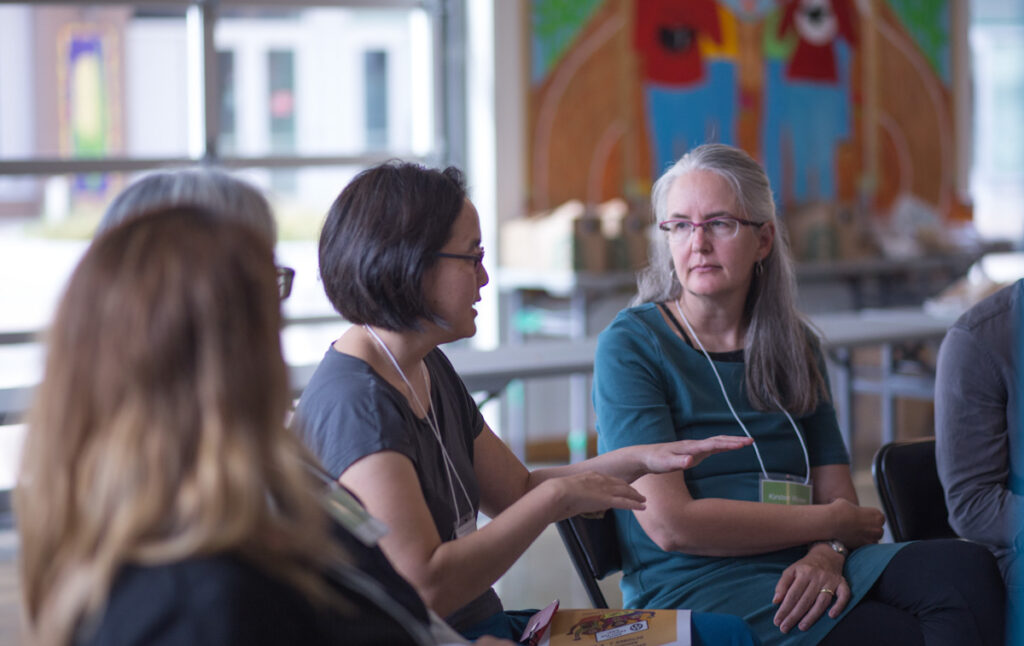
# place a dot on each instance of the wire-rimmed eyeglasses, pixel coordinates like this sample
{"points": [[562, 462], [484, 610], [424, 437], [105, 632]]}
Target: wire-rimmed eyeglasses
{"points": [[476, 258], [285, 278], [723, 227]]}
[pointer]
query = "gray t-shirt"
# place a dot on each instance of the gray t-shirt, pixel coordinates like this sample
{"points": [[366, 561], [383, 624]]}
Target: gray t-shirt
{"points": [[348, 411], [978, 429]]}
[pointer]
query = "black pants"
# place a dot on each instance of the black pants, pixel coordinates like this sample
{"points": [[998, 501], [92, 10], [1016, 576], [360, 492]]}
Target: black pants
{"points": [[932, 593]]}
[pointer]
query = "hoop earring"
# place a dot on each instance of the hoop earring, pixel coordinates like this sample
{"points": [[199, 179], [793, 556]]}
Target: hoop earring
{"points": [[759, 268]]}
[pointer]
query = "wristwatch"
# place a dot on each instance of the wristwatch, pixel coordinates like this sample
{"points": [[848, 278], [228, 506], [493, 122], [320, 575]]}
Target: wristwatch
{"points": [[839, 547]]}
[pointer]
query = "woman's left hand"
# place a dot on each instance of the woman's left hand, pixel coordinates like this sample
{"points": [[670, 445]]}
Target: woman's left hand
{"points": [[808, 587], [684, 454]]}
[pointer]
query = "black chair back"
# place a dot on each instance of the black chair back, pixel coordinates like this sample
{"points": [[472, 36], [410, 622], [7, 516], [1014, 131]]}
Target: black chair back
{"points": [[593, 545], [910, 492]]}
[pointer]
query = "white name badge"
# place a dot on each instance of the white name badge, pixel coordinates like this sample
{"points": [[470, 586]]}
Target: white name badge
{"points": [[466, 526], [785, 489]]}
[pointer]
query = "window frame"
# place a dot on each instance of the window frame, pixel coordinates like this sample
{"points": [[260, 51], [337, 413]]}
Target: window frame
{"points": [[445, 16]]}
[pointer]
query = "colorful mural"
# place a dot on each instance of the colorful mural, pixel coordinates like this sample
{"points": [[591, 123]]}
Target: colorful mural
{"points": [[688, 72], [844, 101], [554, 25], [807, 101], [928, 23]]}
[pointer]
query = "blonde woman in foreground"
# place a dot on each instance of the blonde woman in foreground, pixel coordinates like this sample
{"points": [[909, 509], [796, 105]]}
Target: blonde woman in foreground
{"points": [[160, 499]]}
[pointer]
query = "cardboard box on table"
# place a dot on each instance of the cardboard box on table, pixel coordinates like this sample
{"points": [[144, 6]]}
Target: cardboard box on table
{"points": [[626, 229], [567, 238], [825, 231], [613, 236]]}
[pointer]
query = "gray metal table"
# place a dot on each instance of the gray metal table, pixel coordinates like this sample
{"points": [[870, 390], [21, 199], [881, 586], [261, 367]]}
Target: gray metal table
{"points": [[907, 329], [493, 370]]}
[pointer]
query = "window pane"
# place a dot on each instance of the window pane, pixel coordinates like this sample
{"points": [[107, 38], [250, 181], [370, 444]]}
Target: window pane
{"points": [[226, 72], [375, 72], [315, 65], [281, 68], [997, 49], [281, 106]]}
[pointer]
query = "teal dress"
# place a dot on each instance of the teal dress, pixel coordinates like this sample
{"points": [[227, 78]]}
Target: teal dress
{"points": [[651, 386]]}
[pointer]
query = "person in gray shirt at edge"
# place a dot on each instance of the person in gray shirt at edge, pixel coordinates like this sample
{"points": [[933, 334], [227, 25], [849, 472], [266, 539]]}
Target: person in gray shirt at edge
{"points": [[978, 427]]}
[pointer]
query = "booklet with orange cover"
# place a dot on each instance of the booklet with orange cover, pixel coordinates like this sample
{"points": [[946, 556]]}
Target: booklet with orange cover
{"points": [[618, 628]]}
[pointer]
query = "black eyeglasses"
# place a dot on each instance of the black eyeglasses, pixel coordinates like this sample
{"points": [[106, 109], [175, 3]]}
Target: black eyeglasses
{"points": [[476, 258], [285, 277]]}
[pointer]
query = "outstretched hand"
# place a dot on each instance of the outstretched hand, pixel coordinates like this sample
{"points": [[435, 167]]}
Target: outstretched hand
{"points": [[590, 492], [684, 454]]}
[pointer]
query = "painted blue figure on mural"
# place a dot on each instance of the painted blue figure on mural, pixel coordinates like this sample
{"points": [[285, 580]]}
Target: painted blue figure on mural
{"points": [[689, 98], [807, 102]]}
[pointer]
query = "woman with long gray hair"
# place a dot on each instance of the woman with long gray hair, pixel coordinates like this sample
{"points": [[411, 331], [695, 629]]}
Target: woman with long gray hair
{"points": [[772, 532]]}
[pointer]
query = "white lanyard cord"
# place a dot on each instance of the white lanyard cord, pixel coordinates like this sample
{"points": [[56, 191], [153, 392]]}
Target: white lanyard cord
{"points": [[428, 413], [436, 428], [799, 436], [721, 385]]}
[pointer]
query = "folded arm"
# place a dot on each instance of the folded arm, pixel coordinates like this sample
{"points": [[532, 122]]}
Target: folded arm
{"points": [[675, 521]]}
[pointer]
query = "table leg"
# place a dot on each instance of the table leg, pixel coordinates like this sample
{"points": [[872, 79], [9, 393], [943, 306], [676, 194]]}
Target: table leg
{"points": [[579, 401], [515, 392], [842, 389], [578, 404], [888, 400]]}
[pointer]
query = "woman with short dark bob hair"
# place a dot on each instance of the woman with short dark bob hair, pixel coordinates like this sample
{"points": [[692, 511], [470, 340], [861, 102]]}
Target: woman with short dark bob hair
{"points": [[380, 238], [386, 413]]}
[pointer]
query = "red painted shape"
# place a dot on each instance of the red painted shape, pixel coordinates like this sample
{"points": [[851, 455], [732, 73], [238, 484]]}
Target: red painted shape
{"points": [[666, 34], [817, 62]]}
